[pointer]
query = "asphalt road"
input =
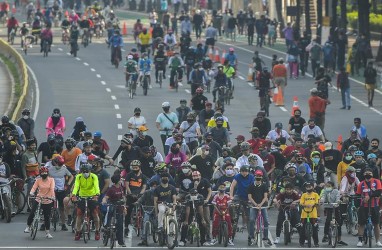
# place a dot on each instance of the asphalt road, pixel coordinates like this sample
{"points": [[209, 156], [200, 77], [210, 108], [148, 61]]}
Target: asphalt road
{"points": [[89, 86]]}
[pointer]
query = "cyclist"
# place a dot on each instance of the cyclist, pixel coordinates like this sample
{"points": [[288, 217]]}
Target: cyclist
{"points": [[309, 202], [263, 83], [175, 63], [74, 34], [258, 197], [359, 164], [287, 200], [131, 71], [189, 57], [45, 189], [207, 63], [185, 43], [318, 169], [182, 111], [86, 186], [143, 139], [46, 35], [257, 64], [137, 29], [144, 65], [29, 163], [85, 24], [232, 58], [370, 191], [191, 131], [103, 177], [197, 78], [24, 31], [83, 158], [245, 148], [116, 43], [199, 101], [36, 28], [170, 40], [59, 172], [166, 122], [220, 81], [175, 159], [199, 53], [228, 175], [230, 73], [113, 195], [184, 180], [159, 169], [349, 182], [160, 61], [144, 40], [12, 24]]}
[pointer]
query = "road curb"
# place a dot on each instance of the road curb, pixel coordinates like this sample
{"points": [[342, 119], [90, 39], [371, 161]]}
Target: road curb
{"points": [[13, 91]]}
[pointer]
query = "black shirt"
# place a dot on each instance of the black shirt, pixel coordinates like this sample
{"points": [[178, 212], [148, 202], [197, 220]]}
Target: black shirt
{"points": [[204, 166], [145, 142], [198, 102], [297, 125], [331, 158], [165, 194], [102, 176], [203, 187], [184, 182], [136, 182], [147, 166], [47, 150], [258, 192]]}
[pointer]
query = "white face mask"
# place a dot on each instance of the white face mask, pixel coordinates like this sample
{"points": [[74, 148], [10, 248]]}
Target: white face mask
{"points": [[25, 117], [86, 175], [229, 171], [185, 170], [194, 197]]}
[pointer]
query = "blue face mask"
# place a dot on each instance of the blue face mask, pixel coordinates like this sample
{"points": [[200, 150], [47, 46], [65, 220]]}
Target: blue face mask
{"points": [[316, 161]]}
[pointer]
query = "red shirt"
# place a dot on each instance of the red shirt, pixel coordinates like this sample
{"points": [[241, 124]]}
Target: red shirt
{"points": [[316, 105], [268, 161], [221, 202], [255, 144], [364, 189], [12, 22], [288, 151]]}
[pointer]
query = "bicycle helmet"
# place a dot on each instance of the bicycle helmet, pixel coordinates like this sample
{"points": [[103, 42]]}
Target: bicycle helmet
{"points": [[245, 146], [315, 153], [144, 54], [371, 156], [137, 110], [359, 153], [51, 138], [219, 119], [308, 183], [87, 144], [144, 30], [135, 163], [265, 69], [44, 169], [59, 160], [350, 169], [185, 164], [252, 157], [227, 149], [259, 173], [165, 105], [199, 91], [26, 112], [290, 165], [85, 167], [5, 119], [160, 167], [70, 140], [97, 134]]}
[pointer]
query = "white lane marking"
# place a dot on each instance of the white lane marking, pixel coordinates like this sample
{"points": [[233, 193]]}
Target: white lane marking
{"points": [[119, 126], [103, 82], [37, 106], [86, 64], [92, 69], [251, 84], [108, 90], [113, 97], [98, 75], [59, 49], [128, 242], [120, 137], [68, 54], [271, 238], [123, 50], [116, 106], [188, 91], [351, 96], [78, 59], [242, 78], [118, 116], [283, 109]]}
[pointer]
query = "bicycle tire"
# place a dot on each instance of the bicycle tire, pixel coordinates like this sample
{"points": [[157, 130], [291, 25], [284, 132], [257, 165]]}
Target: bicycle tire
{"points": [[308, 231], [105, 237], [333, 236], [54, 219], [286, 230], [155, 235], [369, 234], [145, 85], [225, 233], [7, 208], [260, 235], [161, 238], [112, 238], [160, 79], [12, 39], [147, 231], [85, 231], [173, 226], [34, 228], [131, 94], [74, 218], [220, 234], [20, 196], [197, 239], [116, 62]]}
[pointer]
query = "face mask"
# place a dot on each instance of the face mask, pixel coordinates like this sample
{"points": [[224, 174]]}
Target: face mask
{"points": [[374, 146], [297, 116], [209, 140], [299, 161], [206, 152], [352, 175], [144, 133], [25, 117], [219, 125], [44, 176], [328, 189], [190, 120], [183, 105], [200, 69], [135, 171], [359, 161], [175, 151], [368, 176], [316, 160], [255, 135], [229, 171], [137, 114], [166, 109], [309, 190], [348, 158], [164, 180], [312, 126], [185, 170], [259, 178], [291, 173], [221, 191], [56, 115]]}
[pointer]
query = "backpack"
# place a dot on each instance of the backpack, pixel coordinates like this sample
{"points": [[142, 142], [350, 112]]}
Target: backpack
{"points": [[315, 53], [328, 51]]}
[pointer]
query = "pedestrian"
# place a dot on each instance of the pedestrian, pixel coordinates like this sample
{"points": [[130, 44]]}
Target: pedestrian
{"points": [[250, 29], [328, 53], [231, 27], [226, 16], [280, 75], [303, 43], [288, 33], [317, 108], [344, 85], [217, 21], [370, 75], [315, 55], [293, 60], [342, 43], [260, 27], [198, 22], [362, 50], [240, 22], [271, 34]]}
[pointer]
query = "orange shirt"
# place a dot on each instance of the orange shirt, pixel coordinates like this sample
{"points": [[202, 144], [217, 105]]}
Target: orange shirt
{"points": [[316, 104], [279, 70], [70, 157], [45, 189]]}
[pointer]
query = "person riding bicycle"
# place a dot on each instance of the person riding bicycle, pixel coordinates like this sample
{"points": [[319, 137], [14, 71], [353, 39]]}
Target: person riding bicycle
{"points": [[190, 130], [185, 42], [74, 35], [144, 40], [86, 186], [370, 191], [207, 63], [12, 24], [230, 73], [175, 63], [85, 25], [46, 35], [131, 71], [65, 24], [36, 28], [199, 53], [323, 82], [116, 43], [257, 63], [59, 172], [144, 66], [348, 183], [287, 200], [263, 82], [44, 187], [309, 202], [160, 61], [221, 203], [198, 102], [232, 58], [114, 195], [170, 40], [197, 78], [189, 57], [220, 81], [137, 29]]}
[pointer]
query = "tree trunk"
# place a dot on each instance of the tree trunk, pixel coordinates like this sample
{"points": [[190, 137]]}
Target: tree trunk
{"points": [[298, 17], [333, 18], [307, 17], [279, 9], [319, 20], [363, 18], [375, 6], [379, 55], [344, 21]]}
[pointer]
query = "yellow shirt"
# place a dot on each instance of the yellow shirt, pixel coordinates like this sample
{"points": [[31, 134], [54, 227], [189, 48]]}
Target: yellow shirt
{"points": [[309, 199], [145, 39], [212, 123], [341, 170]]}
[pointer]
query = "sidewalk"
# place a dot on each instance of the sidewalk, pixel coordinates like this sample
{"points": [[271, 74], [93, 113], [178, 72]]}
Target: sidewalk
{"points": [[6, 88]]}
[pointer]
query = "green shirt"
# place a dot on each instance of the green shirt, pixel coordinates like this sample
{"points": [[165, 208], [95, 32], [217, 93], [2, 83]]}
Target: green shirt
{"points": [[229, 71], [131, 66], [86, 187]]}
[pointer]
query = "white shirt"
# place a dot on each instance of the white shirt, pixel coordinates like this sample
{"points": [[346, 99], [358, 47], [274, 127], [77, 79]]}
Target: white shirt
{"points": [[136, 122], [82, 158], [273, 135], [345, 188], [306, 130], [158, 158], [243, 161]]}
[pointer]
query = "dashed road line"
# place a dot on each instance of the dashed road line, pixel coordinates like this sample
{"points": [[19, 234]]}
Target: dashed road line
{"points": [[119, 126], [116, 106], [180, 84], [92, 69], [59, 49], [113, 97], [188, 91], [78, 59], [283, 109], [242, 78], [103, 82], [108, 90], [68, 54], [118, 116], [86, 64], [98, 75], [251, 84]]}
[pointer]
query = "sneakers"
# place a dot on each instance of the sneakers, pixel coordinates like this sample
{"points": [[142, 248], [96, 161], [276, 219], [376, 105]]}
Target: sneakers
{"points": [[64, 228], [122, 244], [230, 243], [97, 235], [342, 243], [213, 241], [379, 244], [150, 86], [269, 242], [181, 243], [316, 246], [142, 243], [27, 230], [78, 236], [359, 244], [49, 236], [277, 240], [126, 232], [250, 242], [325, 239]]}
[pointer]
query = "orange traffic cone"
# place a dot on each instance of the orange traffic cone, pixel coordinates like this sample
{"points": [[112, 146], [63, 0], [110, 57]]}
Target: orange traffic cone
{"points": [[295, 105], [124, 29], [275, 95], [250, 74], [280, 97], [210, 54], [223, 57], [217, 56], [13, 9], [339, 143]]}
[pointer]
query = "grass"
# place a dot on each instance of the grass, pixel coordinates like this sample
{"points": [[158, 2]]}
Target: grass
{"points": [[12, 68], [375, 21]]}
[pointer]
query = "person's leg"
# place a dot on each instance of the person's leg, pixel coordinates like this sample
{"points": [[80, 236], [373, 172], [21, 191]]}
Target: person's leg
{"points": [[347, 97], [172, 76], [372, 96], [329, 214], [343, 93], [206, 216], [46, 210], [279, 224], [302, 236], [161, 211], [119, 227], [252, 218], [264, 213], [315, 230], [31, 213]]}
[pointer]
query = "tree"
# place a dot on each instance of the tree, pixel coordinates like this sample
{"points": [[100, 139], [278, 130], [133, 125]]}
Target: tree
{"points": [[379, 55], [307, 17], [279, 9], [319, 20], [344, 21], [363, 17], [333, 19]]}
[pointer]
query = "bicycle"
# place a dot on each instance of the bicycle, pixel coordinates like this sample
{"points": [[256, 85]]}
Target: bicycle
{"points": [[177, 79], [65, 36], [169, 234], [109, 232], [352, 216], [45, 48], [146, 81], [235, 209], [333, 227], [259, 229], [85, 227], [160, 78], [54, 216], [287, 228], [131, 84], [193, 229], [74, 47], [6, 205], [12, 36], [369, 229], [223, 227], [137, 220], [150, 226], [37, 216], [222, 96], [85, 38], [18, 196], [267, 100], [308, 227]]}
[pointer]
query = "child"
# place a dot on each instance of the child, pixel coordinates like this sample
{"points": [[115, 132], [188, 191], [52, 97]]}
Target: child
{"points": [[309, 202], [220, 202], [330, 194]]}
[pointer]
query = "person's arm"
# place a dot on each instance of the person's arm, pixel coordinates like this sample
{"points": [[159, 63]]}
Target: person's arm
{"points": [[127, 187], [106, 186], [143, 189], [265, 199], [209, 194], [232, 188], [156, 204]]}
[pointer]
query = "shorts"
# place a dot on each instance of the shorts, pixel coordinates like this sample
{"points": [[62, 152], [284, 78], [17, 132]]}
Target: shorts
{"points": [[369, 86], [92, 205], [363, 215], [60, 195], [210, 41]]}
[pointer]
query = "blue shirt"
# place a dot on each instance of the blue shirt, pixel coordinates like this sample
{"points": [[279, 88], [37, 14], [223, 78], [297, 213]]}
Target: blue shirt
{"points": [[166, 123], [243, 184], [231, 58], [164, 5], [144, 65], [116, 40]]}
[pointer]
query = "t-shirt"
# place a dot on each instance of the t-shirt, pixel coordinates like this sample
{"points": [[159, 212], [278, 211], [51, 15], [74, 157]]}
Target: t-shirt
{"points": [[47, 150], [70, 157], [189, 135], [297, 125], [279, 70], [332, 157], [306, 130], [221, 201], [309, 199], [203, 187], [102, 176], [115, 193], [366, 189], [258, 192], [287, 199], [175, 160], [203, 165], [184, 182], [136, 122], [167, 123], [273, 135], [147, 166], [144, 142], [164, 194], [58, 175], [242, 185], [145, 38], [136, 182], [268, 161]]}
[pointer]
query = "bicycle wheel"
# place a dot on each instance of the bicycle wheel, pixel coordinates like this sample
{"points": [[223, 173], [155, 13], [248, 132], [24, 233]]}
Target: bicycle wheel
{"points": [[225, 234], [55, 218], [349, 225], [29, 201], [197, 238], [161, 238], [7, 208], [85, 231], [145, 85], [333, 236], [112, 238], [160, 79], [105, 237], [147, 231], [18, 201], [75, 50], [155, 235], [34, 228], [172, 234], [369, 234], [74, 217], [308, 232], [220, 234], [286, 229]]}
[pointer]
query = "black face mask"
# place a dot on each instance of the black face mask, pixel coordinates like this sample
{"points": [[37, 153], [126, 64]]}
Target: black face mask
{"points": [[175, 150], [297, 116], [166, 109], [69, 146], [137, 114], [374, 146], [219, 125], [209, 140], [311, 126], [164, 180], [44, 176], [255, 135], [368, 176], [309, 190], [135, 171], [258, 178], [190, 120]]}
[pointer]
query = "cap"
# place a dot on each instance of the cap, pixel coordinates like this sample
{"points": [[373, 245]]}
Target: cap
{"points": [[79, 119], [278, 125], [254, 129], [240, 138], [314, 90], [142, 128], [328, 145]]}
